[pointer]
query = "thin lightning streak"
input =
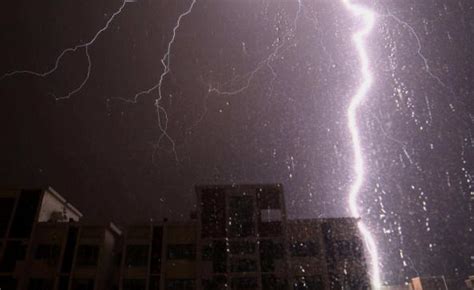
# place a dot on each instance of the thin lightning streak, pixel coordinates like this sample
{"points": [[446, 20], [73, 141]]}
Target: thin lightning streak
{"points": [[279, 49], [368, 17], [250, 75], [160, 111], [85, 46], [426, 64]]}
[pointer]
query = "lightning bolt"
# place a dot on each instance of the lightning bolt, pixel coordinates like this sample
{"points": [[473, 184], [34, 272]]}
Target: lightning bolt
{"points": [[84, 46], [368, 17], [279, 49], [426, 64], [160, 111]]}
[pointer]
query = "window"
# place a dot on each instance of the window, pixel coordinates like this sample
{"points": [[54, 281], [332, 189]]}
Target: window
{"points": [[82, 284], [243, 265], [180, 284], [182, 252], [154, 283], [87, 255], [213, 213], [134, 284], [304, 249], [242, 248], [63, 283], [7, 282], [40, 284], [349, 249], [309, 283], [269, 252], [48, 253], [270, 229], [269, 197], [216, 283], [247, 283], [217, 253], [270, 215], [241, 216], [14, 251], [137, 256], [274, 283]]}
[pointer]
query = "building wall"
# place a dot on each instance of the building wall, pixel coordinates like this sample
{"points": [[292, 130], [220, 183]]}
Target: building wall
{"points": [[55, 208], [241, 237], [159, 256]]}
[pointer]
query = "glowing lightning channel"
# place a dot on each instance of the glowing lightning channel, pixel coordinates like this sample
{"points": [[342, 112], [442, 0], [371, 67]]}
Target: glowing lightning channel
{"points": [[85, 46], [368, 17]]}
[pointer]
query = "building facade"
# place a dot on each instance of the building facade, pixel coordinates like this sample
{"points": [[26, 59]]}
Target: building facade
{"points": [[239, 238], [20, 213], [44, 246], [159, 256], [245, 241]]}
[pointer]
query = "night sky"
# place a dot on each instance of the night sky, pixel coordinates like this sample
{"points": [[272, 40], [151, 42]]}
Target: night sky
{"points": [[257, 92]]}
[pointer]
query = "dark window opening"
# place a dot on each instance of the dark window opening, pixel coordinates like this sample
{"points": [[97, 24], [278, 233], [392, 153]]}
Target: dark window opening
{"points": [[181, 252], [48, 253], [40, 284], [217, 253], [309, 283], [242, 248], [87, 255], [270, 251], [274, 283], [243, 265], [247, 283], [82, 284], [304, 249], [270, 229], [216, 283], [241, 216], [180, 284], [14, 251], [63, 283], [134, 284], [137, 256], [213, 214]]}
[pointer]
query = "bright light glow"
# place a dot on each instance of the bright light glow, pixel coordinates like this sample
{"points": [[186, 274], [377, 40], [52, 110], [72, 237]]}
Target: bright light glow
{"points": [[368, 18]]}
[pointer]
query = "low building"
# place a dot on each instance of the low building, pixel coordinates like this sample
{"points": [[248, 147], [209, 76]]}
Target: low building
{"points": [[159, 256], [21, 210], [326, 254], [245, 241], [240, 238], [82, 256]]}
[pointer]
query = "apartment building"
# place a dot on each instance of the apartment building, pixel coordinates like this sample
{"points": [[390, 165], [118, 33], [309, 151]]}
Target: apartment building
{"points": [[242, 241], [245, 241], [21, 210], [44, 246], [159, 256], [73, 256], [239, 238]]}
